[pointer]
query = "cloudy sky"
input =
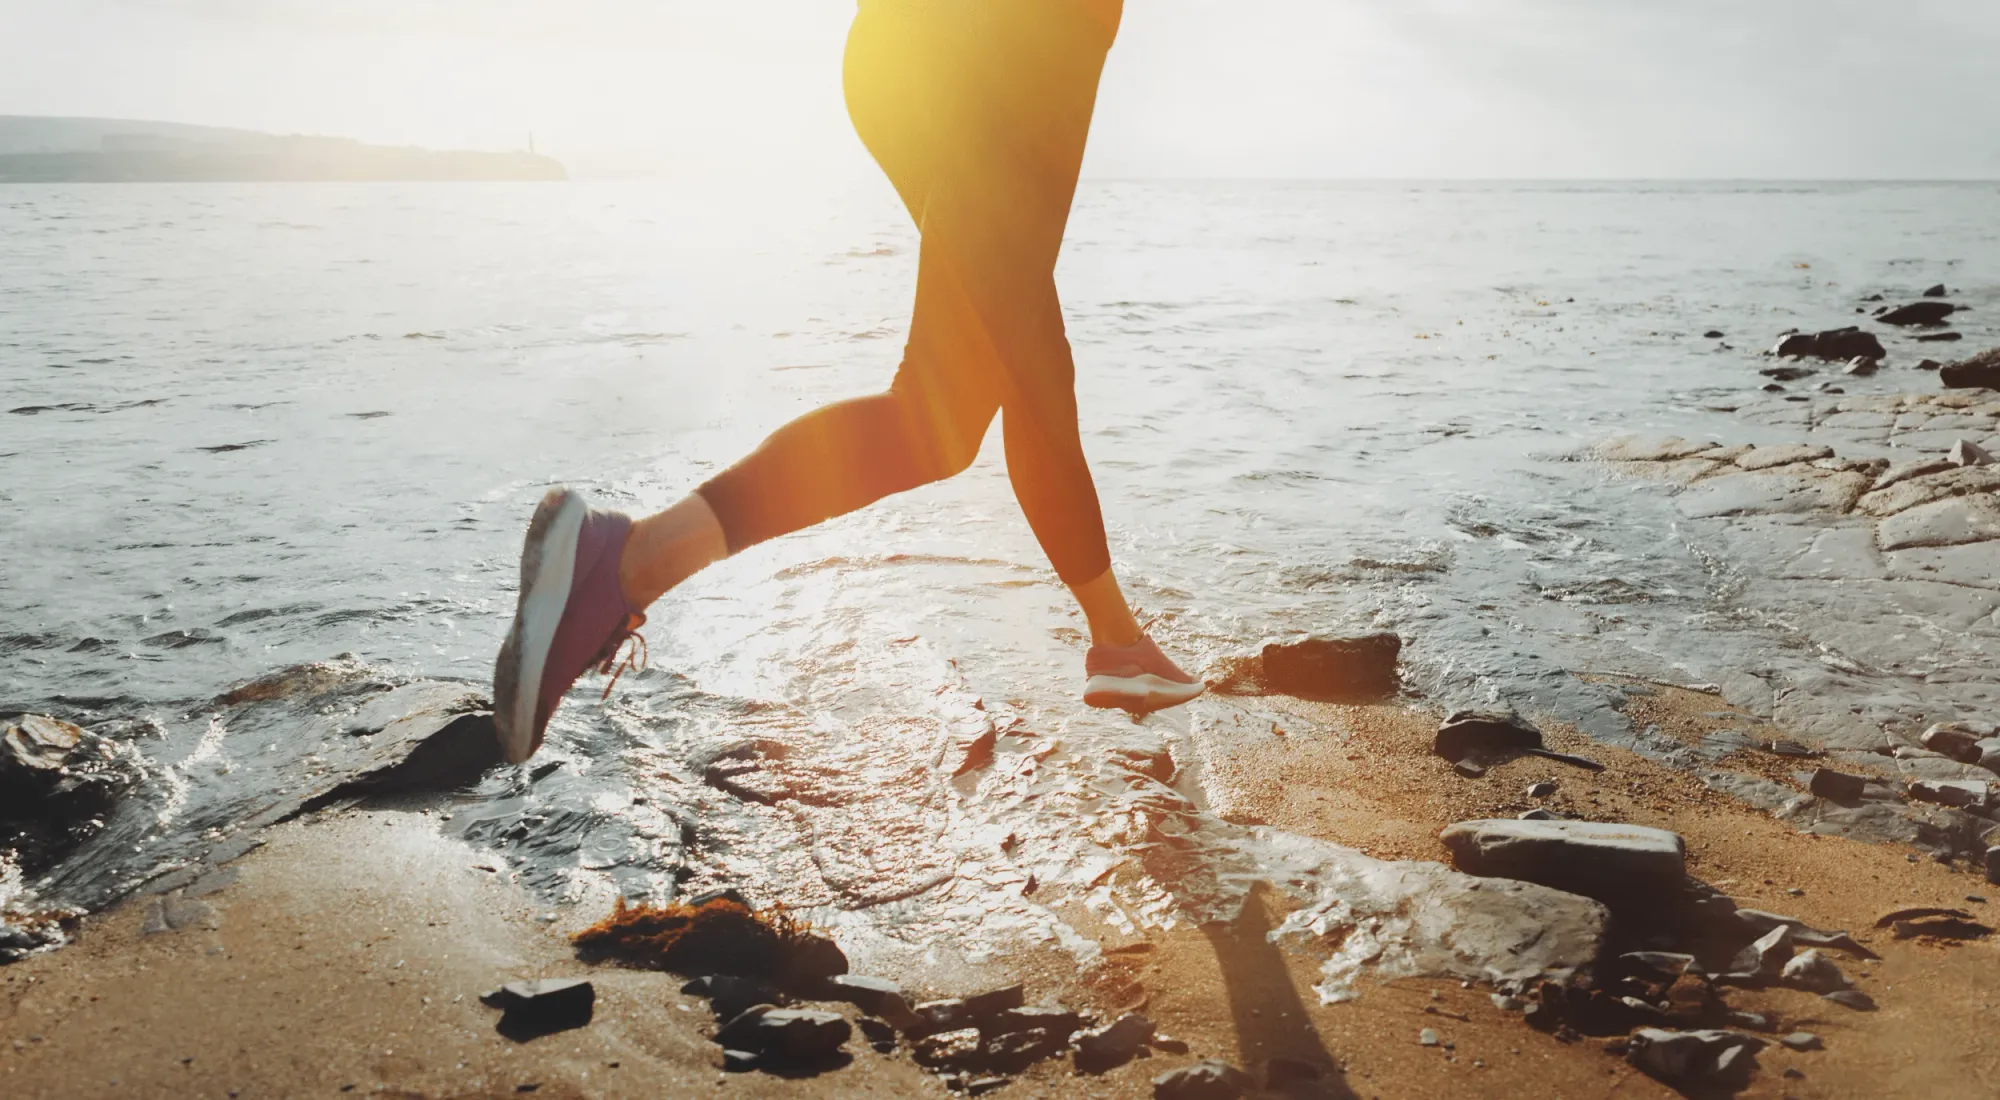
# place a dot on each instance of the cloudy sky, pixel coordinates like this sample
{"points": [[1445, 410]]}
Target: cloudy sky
{"points": [[1260, 88]]}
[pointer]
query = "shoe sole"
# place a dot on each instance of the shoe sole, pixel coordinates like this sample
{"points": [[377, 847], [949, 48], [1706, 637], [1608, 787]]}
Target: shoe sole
{"points": [[548, 568], [1139, 694]]}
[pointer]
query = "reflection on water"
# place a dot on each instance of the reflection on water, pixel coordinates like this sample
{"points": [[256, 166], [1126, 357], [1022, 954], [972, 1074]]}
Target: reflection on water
{"points": [[252, 426]]}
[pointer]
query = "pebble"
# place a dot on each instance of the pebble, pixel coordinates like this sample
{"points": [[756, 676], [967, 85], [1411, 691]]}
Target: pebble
{"points": [[1815, 973], [1801, 1040], [1543, 789], [1427, 1037]]}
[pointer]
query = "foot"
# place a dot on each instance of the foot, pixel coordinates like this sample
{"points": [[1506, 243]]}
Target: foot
{"points": [[572, 615], [1136, 677]]}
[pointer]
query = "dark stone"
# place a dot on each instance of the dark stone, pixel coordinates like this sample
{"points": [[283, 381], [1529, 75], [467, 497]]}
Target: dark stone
{"points": [[1358, 668], [1205, 1080], [1017, 1050], [876, 1031], [809, 961], [1944, 928], [1712, 334], [1061, 1021], [1980, 371], [1657, 965], [529, 1010], [957, 1012], [1833, 345], [863, 992], [795, 1034], [1482, 733], [1543, 789], [1763, 960], [1114, 1044], [1993, 865], [1919, 313], [738, 1061], [1937, 291], [1851, 998], [1787, 374], [980, 1086], [1940, 338], [1607, 861], [1837, 786], [1693, 1058], [1928, 364], [1862, 367], [1773, 387], [730, 996]]}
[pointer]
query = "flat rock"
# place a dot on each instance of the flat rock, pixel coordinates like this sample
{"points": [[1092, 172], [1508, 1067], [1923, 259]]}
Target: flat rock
{"points": [[1919, 313], [1950, 522], [1595, 859], [1924, 488], [1954, 739], [1916, 467], [1840, 344], [863, 992], [1693, 1058], [1765, 959], [1961, 793], [1814, 972], [1851, 998], [1937, 291], [1980, 371], [1334, 668], [1783, 454], [1801, 1041], [1049, 1018], [536, 1008], [1652, 450], [1205, 1080], [792, 1033], [1838, 786], [1114, 1044], [1993, 865], [1479, 734]]}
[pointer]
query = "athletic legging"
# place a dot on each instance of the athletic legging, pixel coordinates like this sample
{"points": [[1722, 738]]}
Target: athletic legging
{"points": [[977, 110]]}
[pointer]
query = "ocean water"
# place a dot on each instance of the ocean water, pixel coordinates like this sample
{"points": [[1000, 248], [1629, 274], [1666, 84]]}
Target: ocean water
{"points": [[249, 426]]}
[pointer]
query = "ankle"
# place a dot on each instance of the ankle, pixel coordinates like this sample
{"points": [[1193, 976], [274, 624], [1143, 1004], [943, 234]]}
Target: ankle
{"points": [[667, 548]]}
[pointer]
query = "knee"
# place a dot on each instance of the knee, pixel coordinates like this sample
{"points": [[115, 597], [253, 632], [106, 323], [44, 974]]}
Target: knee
{"points": [[946, 437]]}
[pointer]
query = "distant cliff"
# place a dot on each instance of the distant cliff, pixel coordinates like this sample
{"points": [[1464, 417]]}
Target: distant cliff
{"points": [[52, 150]]}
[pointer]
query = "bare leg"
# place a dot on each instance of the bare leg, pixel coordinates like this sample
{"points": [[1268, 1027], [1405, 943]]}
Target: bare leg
{"points": [[1104, 606], [669, 547]]}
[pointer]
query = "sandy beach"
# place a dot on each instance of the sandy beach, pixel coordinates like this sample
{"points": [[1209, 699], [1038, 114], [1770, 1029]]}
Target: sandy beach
{"points": [[348, 952]]}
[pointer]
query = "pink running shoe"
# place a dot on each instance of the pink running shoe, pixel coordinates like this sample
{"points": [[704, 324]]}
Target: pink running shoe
{"points": [[572, 616], [1137, 677]]}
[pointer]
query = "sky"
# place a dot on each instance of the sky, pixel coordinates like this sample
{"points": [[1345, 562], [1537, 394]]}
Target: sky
{"points": [[1194, 88]]}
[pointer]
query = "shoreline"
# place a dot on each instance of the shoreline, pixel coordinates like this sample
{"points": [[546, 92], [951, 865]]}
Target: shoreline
{"points": [[350, 950]]}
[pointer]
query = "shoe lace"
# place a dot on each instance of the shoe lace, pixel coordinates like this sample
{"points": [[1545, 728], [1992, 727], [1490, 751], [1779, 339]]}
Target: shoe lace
{"points": [[626, 651]]}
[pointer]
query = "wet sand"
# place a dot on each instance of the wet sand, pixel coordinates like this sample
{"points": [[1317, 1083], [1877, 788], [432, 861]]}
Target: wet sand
{"points": [[349, 952]]}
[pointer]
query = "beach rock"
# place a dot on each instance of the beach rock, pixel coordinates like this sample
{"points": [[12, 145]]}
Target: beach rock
{"points": [[1693, 1058], [1205, 1080], [1609, 862], [1953, 739], [1964, 452], [1838, 786], [1765, 959], [60, 774], [1014, 1051], [532, 1009], [1980, 371], [1814, 973], [1060, 1021], [1543, 789], [1787, 374], [1757, 922], [729, 995], [958, 1048], [1954, 521], [1480, 734], [1833, 345], [1114, 1044], [1851, 998], [1334, 668], [800, 1034], [1781, 454], [1801, 1041], [1940, 338], [1712, 334], [1861, 367], [739, 1061], [1993, 865], [809, 961], [1928, 364], [953, 1013], [1937, 291], [1919, 313], [1657, 965], [868, 994], [1960, 793]]}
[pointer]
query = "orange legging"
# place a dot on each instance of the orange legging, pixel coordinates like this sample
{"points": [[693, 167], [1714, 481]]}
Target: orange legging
{"points": [[977, 110]]}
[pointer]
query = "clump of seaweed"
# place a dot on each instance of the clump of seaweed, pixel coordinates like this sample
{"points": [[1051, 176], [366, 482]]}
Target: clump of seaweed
{"points": [[717, 936]]}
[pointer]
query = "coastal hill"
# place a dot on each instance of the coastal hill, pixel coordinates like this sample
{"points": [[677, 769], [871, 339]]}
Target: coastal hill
{"points": [[63, 150]]}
